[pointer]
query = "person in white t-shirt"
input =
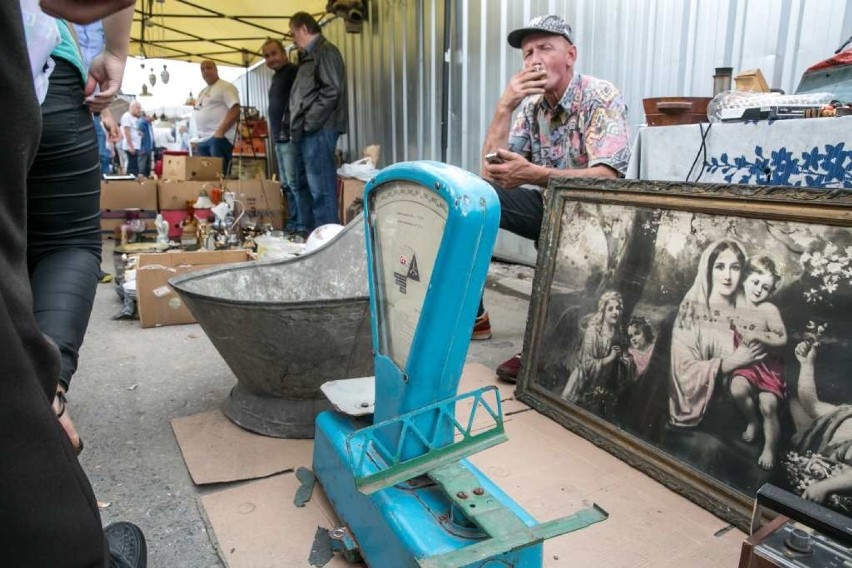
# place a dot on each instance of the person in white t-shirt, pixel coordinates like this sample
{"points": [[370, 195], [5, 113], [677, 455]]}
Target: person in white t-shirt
{"points": [[217, 110], [131, 138]]}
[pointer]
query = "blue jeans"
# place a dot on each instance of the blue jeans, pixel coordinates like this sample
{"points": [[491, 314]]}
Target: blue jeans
{"points": [[144, 159], [103, 151], [132, 163], [295, 184], [318, 157], [217, 148]]}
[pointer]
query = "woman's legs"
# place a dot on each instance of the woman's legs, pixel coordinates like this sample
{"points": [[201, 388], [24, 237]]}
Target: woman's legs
{"points": [[63, 217], [63, 285]]}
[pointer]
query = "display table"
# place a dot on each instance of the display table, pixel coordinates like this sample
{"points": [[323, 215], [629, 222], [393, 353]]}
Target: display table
{"points": [[804, 152]]}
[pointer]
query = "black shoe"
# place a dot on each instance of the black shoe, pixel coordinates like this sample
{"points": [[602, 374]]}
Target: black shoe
{"points": [[126, 546]]}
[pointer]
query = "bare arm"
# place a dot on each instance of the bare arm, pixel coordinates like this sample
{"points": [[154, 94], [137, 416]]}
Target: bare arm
{"points": [[517, 170], [107, 69], [128, 138], [807, 391], [819, 491], [109, 125], [230, 119], [525, 83]]}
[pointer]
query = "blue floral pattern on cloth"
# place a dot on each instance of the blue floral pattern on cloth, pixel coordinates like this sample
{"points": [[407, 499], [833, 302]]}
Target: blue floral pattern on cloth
{"points": [[829, 166]]}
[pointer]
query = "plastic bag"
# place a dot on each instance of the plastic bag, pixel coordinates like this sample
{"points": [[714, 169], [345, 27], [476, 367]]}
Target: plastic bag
{"points": [[363, 169]]}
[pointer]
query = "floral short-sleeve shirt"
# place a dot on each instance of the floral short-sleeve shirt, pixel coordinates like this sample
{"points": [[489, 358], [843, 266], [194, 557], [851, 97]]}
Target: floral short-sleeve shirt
{"points": [[587, 127]]}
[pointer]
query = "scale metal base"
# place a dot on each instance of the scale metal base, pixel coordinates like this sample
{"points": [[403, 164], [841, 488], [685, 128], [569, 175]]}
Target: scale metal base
{"points": [[403, 525], [436, 510]]}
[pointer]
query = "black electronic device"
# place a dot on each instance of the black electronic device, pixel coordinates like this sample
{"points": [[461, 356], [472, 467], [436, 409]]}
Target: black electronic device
{"points": [[804, 534]]}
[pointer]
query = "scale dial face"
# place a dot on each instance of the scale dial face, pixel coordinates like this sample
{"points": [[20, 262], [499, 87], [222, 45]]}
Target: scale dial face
{"points": [[407, 223]]}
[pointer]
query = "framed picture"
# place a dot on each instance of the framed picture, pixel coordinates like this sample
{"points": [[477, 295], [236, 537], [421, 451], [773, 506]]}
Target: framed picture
{"points": [[699, 333]]}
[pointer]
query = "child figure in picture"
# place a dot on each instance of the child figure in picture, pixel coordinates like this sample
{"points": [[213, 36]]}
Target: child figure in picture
{"points": [[641, 338], [601, 368], [764, 378]]}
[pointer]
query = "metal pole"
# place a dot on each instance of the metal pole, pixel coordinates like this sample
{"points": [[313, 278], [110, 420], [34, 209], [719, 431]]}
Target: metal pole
{"points": [[445, 86]]}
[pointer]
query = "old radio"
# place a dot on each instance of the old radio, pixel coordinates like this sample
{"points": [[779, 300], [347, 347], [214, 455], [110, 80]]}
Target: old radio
{"points": [[803, 534]]}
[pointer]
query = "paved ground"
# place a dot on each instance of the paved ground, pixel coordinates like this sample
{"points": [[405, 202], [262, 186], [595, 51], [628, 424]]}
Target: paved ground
{"points": [[132, 382]]}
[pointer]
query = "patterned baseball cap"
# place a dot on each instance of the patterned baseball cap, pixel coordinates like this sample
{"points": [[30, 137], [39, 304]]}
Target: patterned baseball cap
{"points": [[542, 24]]}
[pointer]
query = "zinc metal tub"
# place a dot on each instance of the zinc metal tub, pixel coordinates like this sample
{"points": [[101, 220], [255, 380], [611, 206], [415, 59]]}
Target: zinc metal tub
{"points": [[284, 328]]}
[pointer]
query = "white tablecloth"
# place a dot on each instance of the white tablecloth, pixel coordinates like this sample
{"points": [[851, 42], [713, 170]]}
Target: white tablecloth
{"points": [[813, 152]]}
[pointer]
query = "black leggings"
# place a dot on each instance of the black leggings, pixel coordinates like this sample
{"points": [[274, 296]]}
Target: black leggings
{"points": [[63, 217]]}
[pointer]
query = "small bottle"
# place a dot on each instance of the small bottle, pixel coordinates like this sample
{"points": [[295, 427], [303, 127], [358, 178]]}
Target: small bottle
{"points": [[722, 79]]}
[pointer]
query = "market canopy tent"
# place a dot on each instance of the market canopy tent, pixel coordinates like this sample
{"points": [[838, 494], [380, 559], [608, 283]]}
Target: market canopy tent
{"points": [[229, 32]]}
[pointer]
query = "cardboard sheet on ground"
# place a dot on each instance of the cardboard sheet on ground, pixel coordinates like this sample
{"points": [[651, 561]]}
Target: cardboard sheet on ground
{"points": [[547, 469], [216, 450], [552, 473], [256, 525], [474, 376]]}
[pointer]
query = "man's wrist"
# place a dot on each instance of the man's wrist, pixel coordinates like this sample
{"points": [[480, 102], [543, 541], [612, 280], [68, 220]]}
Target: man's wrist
{"points": [[541, 175], [504, 109]]}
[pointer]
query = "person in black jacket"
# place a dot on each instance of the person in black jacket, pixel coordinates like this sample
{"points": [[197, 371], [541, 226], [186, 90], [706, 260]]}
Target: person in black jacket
{"points": [[318, 114], [290, 167], [48, 512]]}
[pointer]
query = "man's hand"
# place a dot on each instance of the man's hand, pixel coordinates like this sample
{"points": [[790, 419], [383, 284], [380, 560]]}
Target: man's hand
{"points": [[106, 72], [514, 171], [83, 11], [526, 82]]}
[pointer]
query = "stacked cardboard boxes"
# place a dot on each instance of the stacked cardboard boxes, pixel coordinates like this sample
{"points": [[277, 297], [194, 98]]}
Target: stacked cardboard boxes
{"points": [[197, 168], [124, 199]]}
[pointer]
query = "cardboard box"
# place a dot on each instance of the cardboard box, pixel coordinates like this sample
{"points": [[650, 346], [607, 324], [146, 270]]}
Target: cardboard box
{"points": [[751, 80], [157, 302], [128, 194], [173, 194], [248, 167], [349, 189], [198, 168], [263, 200]]}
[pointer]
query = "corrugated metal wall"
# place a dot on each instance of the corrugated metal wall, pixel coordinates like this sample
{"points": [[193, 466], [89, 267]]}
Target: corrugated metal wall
{"points": [[648, 49]]}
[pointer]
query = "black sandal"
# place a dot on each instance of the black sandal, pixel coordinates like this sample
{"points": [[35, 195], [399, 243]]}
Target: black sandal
{"points": [[63, 402]]}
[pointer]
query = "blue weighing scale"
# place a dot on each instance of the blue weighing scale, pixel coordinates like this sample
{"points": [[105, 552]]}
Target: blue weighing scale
{"points": [[394, 468]]}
